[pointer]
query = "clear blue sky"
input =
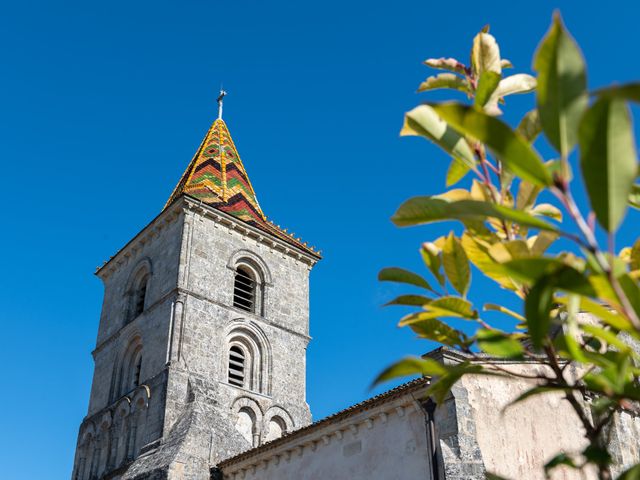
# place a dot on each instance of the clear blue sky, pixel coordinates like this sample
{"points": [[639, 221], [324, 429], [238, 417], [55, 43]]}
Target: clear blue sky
{"points": [[102, 105]]}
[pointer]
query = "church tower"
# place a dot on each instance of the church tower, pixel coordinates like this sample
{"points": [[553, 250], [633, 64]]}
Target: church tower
{"points": [[201, 347]]}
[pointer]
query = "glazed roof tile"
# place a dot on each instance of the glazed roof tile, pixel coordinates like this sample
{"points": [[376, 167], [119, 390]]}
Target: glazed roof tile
{"points": [[217, 177]]}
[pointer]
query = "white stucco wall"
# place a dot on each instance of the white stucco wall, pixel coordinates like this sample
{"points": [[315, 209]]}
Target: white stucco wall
{"points": [[517, 442], [387, 442]]}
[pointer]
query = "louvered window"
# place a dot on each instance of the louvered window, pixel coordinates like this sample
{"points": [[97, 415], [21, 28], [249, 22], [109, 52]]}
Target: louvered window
{"points": [[236, 366], [244, 290], [140, 296]]}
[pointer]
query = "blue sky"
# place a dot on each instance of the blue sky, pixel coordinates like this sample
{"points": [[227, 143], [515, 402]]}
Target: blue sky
{"points": [[103, 105]]}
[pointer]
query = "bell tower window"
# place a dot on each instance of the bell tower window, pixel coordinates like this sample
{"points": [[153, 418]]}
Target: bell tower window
{"points": [[140, 295], [244, 289], [236, 366]]}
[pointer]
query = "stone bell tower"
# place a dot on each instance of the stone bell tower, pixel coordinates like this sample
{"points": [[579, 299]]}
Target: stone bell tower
{"points": [[201, 346]]}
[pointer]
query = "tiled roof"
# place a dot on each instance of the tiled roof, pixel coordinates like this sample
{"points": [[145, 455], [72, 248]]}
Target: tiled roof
{"points": [[216, 176], [336, 417]]}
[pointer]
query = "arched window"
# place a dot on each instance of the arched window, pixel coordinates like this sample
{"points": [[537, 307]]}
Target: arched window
{"points": [[130, 368], [275, 428], [137, 369], [247, 358], [244, 289], [139, 294], [237, 359]]}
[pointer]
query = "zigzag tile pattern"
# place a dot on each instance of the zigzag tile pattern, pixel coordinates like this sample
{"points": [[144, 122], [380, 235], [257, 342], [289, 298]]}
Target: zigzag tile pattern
{"points": [[217, 176]]}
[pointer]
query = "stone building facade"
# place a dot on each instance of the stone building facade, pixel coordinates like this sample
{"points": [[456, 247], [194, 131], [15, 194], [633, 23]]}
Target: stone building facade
{"points": [[200, 364], [202, 340]]}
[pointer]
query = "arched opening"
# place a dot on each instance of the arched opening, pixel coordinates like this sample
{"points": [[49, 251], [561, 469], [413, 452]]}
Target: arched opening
{"points": [[247, 359], [139, 294], [275, 429], [131, 367], [244, 289], [237, 360], [245, 424]]}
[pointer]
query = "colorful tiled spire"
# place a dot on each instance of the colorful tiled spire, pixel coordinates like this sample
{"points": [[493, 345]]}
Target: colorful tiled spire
{"points": [[217, 177]]}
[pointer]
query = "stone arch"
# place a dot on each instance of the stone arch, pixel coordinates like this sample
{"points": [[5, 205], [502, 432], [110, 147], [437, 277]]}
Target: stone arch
{"points": [[86, 451], [137, 289], [248, 418], [103, 442], [130, 366], [276, 423], [140, 398], [252, 259], [136, 421], [256, 272], [258, 361], [121, 412]]}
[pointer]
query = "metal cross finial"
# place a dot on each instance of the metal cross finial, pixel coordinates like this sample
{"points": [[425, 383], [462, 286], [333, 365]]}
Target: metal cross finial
{"points": [[220, 98]]}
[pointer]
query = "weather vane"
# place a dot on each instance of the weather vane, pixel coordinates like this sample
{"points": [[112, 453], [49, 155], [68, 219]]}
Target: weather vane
{"points": [[220, 99]]}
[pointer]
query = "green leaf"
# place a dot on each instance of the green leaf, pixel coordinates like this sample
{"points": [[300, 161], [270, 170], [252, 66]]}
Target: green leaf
{"points": [[451, 306], [608, 159], [632, 473], [499, 344], [547, 210], [511, 149], [560, 459], [410, 366], [490, 475], [485, 55], [629, 91], [530, 127], [537, 309], [562, 86], [634, 197], [607, 315], [400, 275], [504, 63], [450, 64], [500, 308], [419, 210], [424, 121], [456, 264], [519, 83], [478, 255], [558, 274], [437, 331], [597, 455], [456, 172], [487, 84], [441, 387], [445, 80], [541, 242], [527, 194], [635, 256], [411, 300], [431, 256]]}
